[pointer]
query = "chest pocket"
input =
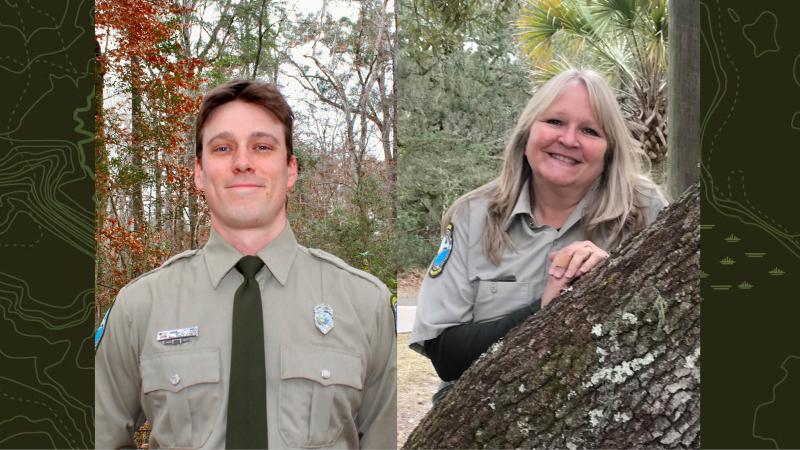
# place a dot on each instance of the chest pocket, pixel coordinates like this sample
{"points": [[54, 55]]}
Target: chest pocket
{"points": [[319, 394], [181, 392], [495, 299]]}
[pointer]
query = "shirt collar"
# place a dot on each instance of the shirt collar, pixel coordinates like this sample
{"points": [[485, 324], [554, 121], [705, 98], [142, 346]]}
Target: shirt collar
{"points": [[278, 256], [523, 206]]}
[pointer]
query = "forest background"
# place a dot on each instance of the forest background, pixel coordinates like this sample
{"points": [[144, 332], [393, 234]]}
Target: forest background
{"points": [[334, 60], [397, 115], [444, 90]]}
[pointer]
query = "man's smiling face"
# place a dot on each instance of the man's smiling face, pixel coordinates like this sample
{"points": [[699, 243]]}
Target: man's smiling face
{"points": [[244, 170]]}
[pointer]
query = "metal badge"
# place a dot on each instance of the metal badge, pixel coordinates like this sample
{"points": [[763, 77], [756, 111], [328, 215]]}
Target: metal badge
{"points": [[323, 318], [177, 336]]}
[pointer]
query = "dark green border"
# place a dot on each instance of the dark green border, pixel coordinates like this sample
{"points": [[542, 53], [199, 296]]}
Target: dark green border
{"points": [[750, 95], [750, 246], [46, 224]]}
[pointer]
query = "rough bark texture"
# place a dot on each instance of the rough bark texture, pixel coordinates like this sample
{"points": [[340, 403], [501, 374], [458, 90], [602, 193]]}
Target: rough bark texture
{"points": [[613, 363]]}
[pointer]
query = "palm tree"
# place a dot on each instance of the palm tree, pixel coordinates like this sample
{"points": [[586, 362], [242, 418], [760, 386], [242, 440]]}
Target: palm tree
{"points": [[624, 39]]}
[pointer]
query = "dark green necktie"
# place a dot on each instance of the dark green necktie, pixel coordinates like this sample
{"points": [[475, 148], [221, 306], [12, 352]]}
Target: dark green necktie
{"points": [[247, 393]]}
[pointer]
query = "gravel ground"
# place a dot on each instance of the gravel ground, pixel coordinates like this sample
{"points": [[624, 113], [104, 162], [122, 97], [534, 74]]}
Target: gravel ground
{"points": [[416, 379], [416, 384]]}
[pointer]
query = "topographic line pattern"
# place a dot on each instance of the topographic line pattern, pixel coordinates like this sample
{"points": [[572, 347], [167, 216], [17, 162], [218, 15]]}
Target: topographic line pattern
{"points": [[770, 413], [46, 225], [724, 202], [750, 231]]}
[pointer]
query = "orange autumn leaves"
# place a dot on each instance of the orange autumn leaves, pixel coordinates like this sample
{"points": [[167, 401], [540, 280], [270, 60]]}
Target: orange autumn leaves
{"points": [[147, 87]]}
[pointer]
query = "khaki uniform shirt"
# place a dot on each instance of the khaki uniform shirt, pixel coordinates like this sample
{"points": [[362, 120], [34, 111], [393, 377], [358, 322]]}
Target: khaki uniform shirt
{"points": [[334, 390], [471, 288]]}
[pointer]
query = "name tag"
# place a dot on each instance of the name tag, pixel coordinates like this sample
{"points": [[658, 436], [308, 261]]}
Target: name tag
{"points": [[177, 336]]}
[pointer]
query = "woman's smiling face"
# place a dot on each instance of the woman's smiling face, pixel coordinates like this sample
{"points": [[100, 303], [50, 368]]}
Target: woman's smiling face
{"points": [[566, 143]]}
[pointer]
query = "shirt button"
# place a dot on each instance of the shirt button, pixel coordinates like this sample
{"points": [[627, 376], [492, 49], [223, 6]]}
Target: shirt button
{"points": [[325, 374], [175, 379]]}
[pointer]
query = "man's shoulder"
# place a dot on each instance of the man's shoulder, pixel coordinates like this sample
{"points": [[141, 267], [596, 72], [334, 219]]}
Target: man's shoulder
{"points": [[357, 277], [184, 255], [174, 263], [474, 206]]}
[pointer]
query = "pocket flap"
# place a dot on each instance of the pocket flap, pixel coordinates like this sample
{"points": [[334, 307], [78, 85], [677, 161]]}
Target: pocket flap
{"points": [[497, 298], [324, 365], [173, 371]]}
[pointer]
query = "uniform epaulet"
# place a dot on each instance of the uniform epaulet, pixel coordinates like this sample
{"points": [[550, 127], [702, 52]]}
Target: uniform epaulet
{"points": [[170, 260], [338, 262], [181, 255]]}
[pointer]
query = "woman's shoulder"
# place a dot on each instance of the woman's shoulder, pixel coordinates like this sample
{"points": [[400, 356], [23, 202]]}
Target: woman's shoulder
{"points": [[650, 199], [471, 210]]}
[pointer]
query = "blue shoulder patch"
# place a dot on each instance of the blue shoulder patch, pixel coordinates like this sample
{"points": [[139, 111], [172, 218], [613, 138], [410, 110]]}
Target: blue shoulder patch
{"points": [[98, 335], [394, 311], [445, 249]]}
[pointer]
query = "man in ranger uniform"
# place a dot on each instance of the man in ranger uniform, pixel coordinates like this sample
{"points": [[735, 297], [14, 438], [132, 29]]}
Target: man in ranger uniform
{"points": [[252, 341]]}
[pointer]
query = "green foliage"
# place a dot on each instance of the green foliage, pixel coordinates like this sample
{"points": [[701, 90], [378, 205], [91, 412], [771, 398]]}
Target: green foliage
{"points": [[430, 29], [624, 38], [354, 229], [364, 244], [458, 102], [429, 183]]}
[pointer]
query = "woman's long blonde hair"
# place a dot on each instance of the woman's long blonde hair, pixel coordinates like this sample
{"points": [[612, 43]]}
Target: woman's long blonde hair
{"points": [[617, 208]]}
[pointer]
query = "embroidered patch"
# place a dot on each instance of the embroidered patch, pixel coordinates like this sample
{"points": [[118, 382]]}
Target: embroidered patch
{"points": [[445, 249], [394, 312], [98, 335]]}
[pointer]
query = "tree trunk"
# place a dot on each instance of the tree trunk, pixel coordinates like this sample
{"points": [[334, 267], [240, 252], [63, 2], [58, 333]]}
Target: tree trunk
{"points": [[392, 163], [137, 152], [261, 31], [613, 363], [683, 156], [158, 221], [386, 128]]}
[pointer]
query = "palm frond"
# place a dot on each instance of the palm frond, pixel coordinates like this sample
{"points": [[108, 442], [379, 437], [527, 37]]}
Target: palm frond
{"points": [[544, 72], [539, 21], [659, 19], [625, 39], [620, 13]]}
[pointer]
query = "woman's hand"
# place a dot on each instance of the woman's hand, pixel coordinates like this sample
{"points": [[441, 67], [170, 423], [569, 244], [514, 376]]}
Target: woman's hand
{"points": [[553, 288], [575, 259], [571, 261]]}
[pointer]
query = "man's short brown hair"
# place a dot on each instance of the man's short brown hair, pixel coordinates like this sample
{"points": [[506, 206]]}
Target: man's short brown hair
{"points": [[258, 93]]}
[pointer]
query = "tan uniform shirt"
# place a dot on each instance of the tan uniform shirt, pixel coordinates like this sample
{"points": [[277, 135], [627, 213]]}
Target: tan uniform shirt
{"points": [[471, 288], [334, 390]]}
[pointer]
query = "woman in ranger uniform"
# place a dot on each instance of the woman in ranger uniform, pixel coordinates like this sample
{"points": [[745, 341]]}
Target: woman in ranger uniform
{"points": [[574, 184]]}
